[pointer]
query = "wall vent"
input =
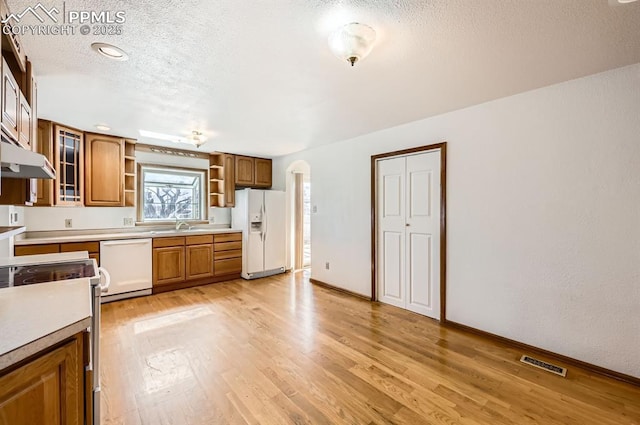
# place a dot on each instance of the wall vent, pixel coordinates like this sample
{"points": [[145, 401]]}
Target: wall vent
{"points": [[544, 365]]}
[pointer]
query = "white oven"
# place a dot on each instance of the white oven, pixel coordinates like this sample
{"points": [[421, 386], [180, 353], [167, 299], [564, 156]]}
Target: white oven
{"points": [[47, 268]]}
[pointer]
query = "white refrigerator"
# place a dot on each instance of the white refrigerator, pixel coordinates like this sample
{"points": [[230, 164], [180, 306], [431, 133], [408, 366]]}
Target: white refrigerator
{"points": [[260, 214]]}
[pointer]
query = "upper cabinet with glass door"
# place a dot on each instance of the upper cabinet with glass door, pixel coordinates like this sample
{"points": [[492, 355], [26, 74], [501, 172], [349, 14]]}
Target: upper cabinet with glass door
{"points": [[69, 165]]}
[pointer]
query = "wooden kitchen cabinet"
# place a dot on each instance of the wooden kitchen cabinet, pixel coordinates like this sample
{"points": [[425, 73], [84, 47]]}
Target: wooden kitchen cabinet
{"points": [[229, 180], [104, 171], [227, 255], [44, 142], [18, 191], [182, 262], [10, 103], [168, 265], [53, 248], [216, 180], [244, 170], [49, 389], [262, 172], [222, 180], [199, 259], [92, 247], [32, 98], [129, 173], [69, 165], [253, 172], [168, 261], [11, 42], [25, 123]]}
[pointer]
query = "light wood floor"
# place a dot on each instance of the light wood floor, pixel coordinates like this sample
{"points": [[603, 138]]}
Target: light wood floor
{"points": [[282, 351]]}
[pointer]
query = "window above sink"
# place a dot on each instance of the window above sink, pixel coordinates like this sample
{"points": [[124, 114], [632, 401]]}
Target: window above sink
{"points": [[171, 194]]}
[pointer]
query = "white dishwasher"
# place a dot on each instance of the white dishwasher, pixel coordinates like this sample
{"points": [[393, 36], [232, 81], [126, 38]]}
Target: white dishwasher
{"points": [[129, 264]]}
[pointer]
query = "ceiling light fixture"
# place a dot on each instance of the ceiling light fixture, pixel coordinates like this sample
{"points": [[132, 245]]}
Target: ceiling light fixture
{"points": [[197, 139], [110, 51], [103, 127], [352, 42]]}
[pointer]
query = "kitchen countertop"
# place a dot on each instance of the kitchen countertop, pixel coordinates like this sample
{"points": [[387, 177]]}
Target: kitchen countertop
{"points": [[7, 232], [35, 238], [34, 317]]}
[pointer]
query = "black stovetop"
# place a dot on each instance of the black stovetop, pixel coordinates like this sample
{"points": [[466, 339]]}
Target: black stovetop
{"points": [[29, 274]]}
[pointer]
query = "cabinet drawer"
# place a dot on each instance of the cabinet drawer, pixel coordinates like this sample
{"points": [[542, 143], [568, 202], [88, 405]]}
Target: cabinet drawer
{"points": [[223, 255], [227, 246], [162, 242], [80, 246], [199, 239], [228, 237], [230, 266], [37, 249]]}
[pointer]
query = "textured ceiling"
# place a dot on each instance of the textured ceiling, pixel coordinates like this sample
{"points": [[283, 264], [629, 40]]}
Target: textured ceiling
{"points": [[259, 78]]}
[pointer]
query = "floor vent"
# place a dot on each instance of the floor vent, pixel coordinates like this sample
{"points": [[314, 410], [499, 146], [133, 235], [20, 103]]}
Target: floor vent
{"points": [[544, 365]]}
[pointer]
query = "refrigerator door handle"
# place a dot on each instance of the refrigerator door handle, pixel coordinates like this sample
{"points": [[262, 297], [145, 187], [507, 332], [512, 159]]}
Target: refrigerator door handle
{"points": [[263, 224], [265, 221]]}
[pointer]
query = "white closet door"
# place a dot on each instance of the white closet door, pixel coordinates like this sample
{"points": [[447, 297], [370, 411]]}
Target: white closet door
{"points": [[391, 231], [408, 233], [422, 241]]}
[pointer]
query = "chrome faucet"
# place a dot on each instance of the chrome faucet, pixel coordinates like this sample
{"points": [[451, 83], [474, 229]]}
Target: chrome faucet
{"points": [[181, 223]]}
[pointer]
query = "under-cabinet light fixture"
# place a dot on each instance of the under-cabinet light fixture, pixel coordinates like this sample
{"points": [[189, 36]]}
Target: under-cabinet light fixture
{"points": [[196, 138]]}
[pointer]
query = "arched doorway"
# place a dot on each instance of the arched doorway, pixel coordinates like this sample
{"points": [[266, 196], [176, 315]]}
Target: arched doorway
{"points": [[299, 215]]}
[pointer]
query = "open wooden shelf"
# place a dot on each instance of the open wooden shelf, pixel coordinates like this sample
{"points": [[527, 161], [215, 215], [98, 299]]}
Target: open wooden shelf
{"points": [[130, 173], [216, 180]]}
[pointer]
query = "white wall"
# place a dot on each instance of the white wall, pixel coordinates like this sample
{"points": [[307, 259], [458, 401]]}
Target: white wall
{"points": [[543, 214], [53, 218]]}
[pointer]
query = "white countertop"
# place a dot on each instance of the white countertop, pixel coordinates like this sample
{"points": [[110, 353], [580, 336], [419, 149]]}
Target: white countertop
{"points": [[88, 235], [34, 317], [7, 232]]}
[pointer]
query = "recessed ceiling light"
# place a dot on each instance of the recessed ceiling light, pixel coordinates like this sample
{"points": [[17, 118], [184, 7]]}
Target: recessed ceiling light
{"points": [[110, 51], [103, 127], [626, 1]]}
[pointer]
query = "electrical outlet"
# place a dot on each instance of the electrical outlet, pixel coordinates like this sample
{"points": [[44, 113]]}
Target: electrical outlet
{"points": [[68, 223], [326, 265], [314, 209], [128, 221]]}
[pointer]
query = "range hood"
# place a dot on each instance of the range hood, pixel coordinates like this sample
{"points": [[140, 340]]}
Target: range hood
{"points": [[19, 163]]}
